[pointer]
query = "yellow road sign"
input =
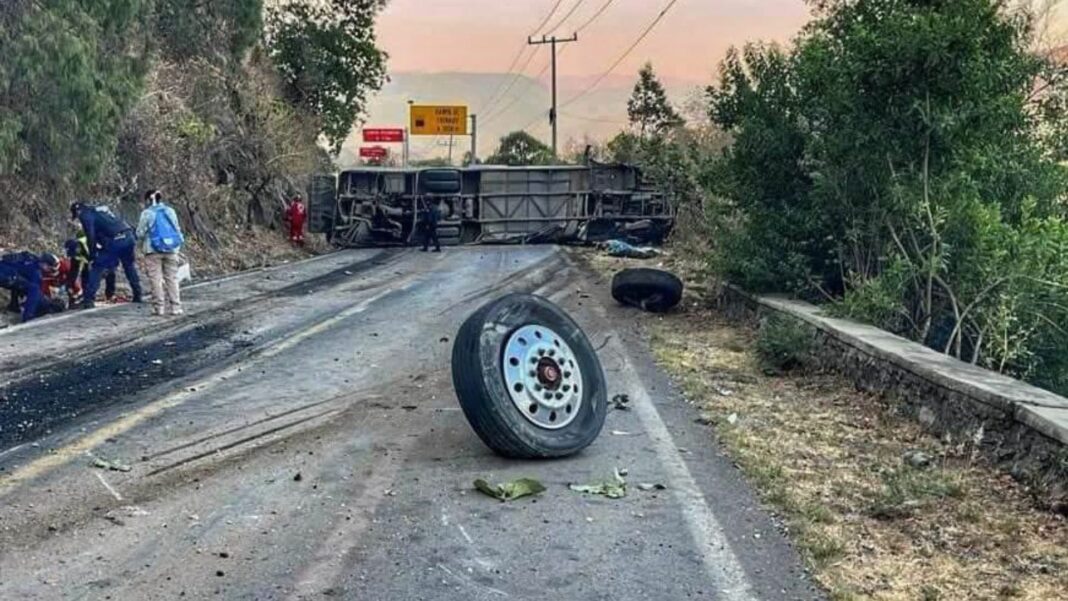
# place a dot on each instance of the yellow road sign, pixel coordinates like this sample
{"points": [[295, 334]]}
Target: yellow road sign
{"points": [[438, 120]]}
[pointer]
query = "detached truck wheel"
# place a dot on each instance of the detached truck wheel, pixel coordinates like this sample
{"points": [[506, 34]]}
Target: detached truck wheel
{"points": [[649, 289], [528, 379]]}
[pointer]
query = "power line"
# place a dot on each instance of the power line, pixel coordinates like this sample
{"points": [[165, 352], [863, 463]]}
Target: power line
{"points": [[547, 17], [523, 48], [496, 112], [595, 16], [504, 109], [623, 56], [564, 19]]}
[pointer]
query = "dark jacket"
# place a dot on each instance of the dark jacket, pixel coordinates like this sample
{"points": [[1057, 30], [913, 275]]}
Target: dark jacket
{"points": [[101, 225]]}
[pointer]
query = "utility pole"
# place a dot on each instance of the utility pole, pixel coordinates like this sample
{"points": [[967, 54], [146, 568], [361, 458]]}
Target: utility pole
{"points": [[553, 41], [474, 139]]}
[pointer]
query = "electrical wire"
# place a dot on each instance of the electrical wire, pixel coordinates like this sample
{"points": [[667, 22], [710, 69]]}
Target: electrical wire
{"points": [[623, 56], [498, 95], [492, 98], [567, 16], [595, 16]]}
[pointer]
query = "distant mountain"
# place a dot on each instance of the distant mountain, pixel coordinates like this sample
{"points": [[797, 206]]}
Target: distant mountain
{"points": [[598, 115]]}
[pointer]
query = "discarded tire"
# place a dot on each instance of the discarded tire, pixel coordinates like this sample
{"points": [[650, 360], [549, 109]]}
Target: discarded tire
{"points": [[650, 289], [528, 379]]}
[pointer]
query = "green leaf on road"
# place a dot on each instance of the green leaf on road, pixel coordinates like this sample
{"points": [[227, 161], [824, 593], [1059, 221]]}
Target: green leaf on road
{"points": [[509, 491], [616, 488]]}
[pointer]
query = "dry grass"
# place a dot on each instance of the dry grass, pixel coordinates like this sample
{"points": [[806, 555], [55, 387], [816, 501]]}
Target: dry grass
{"points": [[830, 460]]}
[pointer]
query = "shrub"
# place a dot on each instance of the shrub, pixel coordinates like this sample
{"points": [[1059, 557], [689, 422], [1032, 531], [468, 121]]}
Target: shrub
{"points": [[784, 343]]}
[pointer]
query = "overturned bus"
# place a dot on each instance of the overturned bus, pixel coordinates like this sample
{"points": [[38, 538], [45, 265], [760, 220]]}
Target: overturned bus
{"points": [[490, 204]]}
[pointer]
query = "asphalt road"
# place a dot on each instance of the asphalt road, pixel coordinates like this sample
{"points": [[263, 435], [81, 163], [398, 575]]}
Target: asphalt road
{"points": [[296, 436]]}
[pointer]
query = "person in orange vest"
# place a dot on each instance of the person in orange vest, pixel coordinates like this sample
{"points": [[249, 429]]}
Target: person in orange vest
{"points": [[296, 214]]}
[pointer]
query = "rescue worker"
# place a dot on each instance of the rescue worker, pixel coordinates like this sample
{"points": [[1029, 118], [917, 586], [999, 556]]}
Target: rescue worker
{"points": [[162, 238], [78, 277], [21, 274], [296, 214], [428, 224], [111, 241]]}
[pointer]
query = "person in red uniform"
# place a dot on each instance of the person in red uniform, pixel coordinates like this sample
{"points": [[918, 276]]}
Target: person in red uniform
{"points": [[296, 214]]}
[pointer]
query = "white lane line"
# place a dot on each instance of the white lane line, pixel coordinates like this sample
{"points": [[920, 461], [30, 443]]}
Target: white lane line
{"points": [[110, 488], [720, 562], [467, 537]]}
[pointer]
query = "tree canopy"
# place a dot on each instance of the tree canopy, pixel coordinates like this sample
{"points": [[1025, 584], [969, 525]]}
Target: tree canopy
{"points": [[327, 57], [521, 148], [897, 159], [648, 108]]}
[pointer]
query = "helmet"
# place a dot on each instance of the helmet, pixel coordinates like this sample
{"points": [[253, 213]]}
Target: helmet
{"points": [[50, 260], [75, 208]]}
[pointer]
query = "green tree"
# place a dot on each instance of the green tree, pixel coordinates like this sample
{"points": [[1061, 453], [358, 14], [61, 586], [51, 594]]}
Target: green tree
{"points": [[193, 28], [648, 108], [69, 71], [898, 159], [326, 55], [521, 148]]}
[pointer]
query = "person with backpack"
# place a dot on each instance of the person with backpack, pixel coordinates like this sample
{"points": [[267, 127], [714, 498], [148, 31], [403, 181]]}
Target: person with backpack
{"points": [[161, 239], [111, 241]]}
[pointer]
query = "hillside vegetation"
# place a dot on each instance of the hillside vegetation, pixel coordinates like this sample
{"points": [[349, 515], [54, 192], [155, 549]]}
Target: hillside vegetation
{"points": [[224, 105], [901, 161]]}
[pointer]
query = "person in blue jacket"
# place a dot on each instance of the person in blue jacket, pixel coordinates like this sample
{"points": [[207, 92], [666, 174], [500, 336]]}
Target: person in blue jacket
{"points": [[20, 274], [111, 241]]}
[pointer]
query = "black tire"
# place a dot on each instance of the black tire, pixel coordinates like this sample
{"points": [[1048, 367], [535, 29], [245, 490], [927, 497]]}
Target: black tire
{"points": [[478, 376], [649, 289]]}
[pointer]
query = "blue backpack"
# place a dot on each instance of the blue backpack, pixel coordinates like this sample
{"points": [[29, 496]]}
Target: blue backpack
{"points": [[164, 234]]}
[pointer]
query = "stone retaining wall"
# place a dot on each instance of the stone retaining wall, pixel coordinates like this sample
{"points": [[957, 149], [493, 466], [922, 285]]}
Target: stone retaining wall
{"points": [[1021, 428]]}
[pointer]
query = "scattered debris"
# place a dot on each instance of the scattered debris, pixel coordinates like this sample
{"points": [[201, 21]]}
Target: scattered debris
{"points": [[645, 486], [298, 477], [616, 488], [732, 419], [157, 362], [705, 421], [509, 491], [115, 466], [917, 459], [444, 339], [621, 433], [409, 407], [619, 248], [621, 402]]}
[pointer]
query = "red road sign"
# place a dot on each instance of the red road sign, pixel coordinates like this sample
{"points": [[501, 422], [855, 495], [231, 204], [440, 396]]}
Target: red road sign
{"points": [[373, 152], [382, 134]]}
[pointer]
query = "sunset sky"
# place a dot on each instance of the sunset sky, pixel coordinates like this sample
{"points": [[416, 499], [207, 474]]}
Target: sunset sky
{"points": [[484, 35]]}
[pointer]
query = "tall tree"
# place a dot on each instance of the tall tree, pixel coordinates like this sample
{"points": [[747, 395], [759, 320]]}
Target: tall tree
{"points": [[325, 52], [648, 108], [69, 71], [521, 148]]}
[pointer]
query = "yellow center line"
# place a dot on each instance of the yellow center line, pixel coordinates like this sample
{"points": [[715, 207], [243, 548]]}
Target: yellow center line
{"points": [[80, 447]]}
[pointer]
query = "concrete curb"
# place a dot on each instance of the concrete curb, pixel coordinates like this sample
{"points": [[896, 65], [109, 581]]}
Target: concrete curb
{"points": [[1021, 427]]}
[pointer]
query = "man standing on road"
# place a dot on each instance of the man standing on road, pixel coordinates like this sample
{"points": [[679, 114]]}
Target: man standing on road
{"points": [[428, 222], [161, 240], [296, 214], [115, 239]]}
